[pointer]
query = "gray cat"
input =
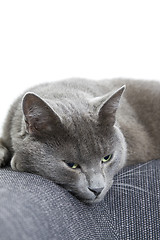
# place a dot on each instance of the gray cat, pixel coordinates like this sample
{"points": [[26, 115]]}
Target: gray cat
{"points": [[80, 133]]}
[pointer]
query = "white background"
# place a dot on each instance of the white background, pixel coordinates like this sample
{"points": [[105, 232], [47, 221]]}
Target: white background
{"points": [[43, 41]]}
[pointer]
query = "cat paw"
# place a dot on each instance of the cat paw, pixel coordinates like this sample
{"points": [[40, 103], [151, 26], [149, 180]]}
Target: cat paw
{"points": [[4, 156], [15, 164]]}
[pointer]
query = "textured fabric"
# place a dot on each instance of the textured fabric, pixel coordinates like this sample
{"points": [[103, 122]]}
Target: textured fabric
{"points": [[32, 207]]}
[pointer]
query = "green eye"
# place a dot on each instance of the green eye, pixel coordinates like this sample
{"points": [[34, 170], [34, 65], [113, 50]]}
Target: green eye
{"points": [[73, 165], [106, 158]]}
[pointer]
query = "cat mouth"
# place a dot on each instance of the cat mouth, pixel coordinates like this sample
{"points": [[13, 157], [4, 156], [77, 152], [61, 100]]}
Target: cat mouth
{"points": [[84, 200], [90, 200]]}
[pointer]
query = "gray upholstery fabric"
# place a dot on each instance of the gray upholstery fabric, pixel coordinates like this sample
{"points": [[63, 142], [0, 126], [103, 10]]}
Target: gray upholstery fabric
{"points": [[32, 207]]}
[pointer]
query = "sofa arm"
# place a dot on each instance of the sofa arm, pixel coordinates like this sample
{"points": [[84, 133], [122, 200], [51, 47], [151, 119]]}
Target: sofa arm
{"points": [[32, 207]]}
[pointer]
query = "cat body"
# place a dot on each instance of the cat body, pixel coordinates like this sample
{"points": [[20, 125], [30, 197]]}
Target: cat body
{"points": [[80, 133]]}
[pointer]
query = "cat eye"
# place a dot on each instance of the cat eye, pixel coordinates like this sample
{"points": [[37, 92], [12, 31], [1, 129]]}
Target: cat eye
{"points": [[73, 165], [107, 158]]}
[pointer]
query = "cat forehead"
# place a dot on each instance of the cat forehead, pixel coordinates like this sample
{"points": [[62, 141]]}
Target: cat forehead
{"points": [[89, 140], [81, 122]]}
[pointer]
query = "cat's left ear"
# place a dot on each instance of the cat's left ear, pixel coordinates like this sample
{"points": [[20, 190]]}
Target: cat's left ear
{"points": [[109, 106]]}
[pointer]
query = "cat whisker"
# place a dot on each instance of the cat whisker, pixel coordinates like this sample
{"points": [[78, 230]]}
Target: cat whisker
{"points": [[126, 186], [136, 168], [122, 188], [133, 173]]}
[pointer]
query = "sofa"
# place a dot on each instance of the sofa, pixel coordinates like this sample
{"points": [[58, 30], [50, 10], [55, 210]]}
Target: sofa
{"points": [[34, 208]]}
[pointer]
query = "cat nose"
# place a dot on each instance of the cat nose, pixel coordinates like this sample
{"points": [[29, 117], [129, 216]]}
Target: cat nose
{"points": [[96, 191]]}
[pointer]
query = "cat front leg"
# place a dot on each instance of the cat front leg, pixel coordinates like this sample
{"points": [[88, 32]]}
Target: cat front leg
{"points": [[4, 154], [16, 163]]}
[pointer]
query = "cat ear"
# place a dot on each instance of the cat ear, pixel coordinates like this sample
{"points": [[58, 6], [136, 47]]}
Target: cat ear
{"points": [[108, 108], [39, 117]]}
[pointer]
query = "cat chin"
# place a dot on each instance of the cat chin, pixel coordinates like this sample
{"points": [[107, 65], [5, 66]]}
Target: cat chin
{"points": [[93, 201], [89, 201]]}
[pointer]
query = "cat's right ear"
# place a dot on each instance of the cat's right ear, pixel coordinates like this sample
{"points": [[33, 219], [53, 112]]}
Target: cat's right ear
{"points": [[108, 107], [39, 117]]}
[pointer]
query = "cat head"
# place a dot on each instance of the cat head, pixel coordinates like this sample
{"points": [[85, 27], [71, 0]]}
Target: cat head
{"points": [[76, 143]]}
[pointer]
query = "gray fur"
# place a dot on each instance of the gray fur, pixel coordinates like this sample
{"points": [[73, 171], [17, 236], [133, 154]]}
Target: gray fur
{"points": [[81, 121]]}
